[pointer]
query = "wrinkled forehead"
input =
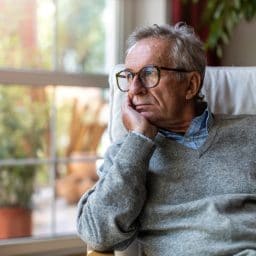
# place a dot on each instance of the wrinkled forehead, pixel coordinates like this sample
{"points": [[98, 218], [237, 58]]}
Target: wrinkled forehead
{"points": [[149, 51]]}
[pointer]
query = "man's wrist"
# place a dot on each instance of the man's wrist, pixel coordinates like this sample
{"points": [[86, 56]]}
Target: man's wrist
{"points": [[143, 135]]}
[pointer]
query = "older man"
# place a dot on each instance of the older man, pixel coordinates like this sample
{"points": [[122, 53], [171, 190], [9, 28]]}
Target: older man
{"points": [[182, 182]]}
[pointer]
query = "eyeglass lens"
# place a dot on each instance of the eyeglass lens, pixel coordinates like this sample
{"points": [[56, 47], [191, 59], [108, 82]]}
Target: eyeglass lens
{"points": [[149, 77]]}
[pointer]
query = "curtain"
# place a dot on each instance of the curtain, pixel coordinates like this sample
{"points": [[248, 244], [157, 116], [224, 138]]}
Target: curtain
{"points": [[192, 14]]}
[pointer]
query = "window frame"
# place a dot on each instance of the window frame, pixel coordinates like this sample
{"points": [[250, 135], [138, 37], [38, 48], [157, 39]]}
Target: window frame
{"points": [[52, 246], [42, 78]]}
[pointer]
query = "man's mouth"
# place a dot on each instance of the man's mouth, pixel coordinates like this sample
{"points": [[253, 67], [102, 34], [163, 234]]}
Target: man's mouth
{"points": [[141, 107]]}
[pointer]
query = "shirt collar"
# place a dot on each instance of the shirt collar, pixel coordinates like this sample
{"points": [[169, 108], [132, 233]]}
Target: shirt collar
{"points": [[199, 123]]}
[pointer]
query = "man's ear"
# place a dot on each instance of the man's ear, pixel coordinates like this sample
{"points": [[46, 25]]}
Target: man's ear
{"points": [[194, 82]]}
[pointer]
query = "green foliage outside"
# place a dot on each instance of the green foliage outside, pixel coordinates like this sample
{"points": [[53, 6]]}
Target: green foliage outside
{"points": [[81, 29], [23, 134], [222, 16]]}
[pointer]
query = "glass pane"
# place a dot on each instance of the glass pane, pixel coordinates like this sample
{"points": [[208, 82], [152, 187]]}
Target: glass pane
{"points": [[82, 37], [24, 133], [74, 36], [24, 122], [82, 116], [69, 189], [26, 31], [43, 202]]}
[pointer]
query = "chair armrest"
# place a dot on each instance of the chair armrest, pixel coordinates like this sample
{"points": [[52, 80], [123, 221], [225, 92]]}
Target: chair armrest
{"points": [[91, 252], [94, 253]]}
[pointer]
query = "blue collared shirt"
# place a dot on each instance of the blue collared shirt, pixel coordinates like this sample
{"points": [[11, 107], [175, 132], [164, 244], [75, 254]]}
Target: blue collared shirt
{"points": [[197, 132]]}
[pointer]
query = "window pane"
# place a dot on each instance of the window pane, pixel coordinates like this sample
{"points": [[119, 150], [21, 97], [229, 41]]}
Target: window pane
{"points": [[43, 202], [82, 115], [24, 122], [26, 30], [24, 135], [82, 35], [70, 188], [74, 36], [82, 121]]}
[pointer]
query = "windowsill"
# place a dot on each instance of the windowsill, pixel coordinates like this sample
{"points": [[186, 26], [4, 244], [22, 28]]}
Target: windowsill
{"points": [[52, 246]]}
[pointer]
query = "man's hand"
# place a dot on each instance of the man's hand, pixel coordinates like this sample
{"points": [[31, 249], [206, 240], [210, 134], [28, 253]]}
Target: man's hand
{"points": [[134, 121]]}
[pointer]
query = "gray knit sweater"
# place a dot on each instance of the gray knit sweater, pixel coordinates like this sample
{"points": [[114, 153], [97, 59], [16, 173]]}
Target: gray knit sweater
{"points": [[175, 200]]}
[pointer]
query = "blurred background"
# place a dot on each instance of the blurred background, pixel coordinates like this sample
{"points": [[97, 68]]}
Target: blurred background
{"points": [[55, 56]]}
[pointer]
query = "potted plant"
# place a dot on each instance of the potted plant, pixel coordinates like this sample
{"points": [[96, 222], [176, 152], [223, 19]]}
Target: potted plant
{"points": [[23, 126], [221, 18]]}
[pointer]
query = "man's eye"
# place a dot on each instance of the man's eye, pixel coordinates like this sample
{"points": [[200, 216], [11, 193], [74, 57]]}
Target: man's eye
{"points": [[147, 72], [129, 76]]}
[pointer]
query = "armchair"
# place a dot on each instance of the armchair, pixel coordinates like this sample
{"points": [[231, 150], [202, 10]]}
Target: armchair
{"points": [[228, 90], [94, 253]]}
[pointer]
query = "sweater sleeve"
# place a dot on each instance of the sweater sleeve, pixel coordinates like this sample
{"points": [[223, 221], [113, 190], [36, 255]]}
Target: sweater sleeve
{"points": [[107, 214]]}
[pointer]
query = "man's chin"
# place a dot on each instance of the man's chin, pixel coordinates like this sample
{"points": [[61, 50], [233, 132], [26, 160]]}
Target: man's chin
{"points": [[149, 116]]}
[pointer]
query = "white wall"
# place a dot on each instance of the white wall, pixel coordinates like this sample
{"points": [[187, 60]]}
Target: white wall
{"points": [[242, 49], [135, 13], [149, 12]]}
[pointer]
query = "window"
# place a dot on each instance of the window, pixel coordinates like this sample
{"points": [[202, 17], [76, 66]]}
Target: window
{"points": [[54, 60]]}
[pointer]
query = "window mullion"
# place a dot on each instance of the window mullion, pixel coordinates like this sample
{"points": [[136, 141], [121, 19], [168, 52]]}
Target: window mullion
{"points": [[42, 78], [52, 167]]}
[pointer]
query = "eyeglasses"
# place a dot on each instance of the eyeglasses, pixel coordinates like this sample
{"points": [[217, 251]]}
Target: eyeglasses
{"points": [[149, 76]]}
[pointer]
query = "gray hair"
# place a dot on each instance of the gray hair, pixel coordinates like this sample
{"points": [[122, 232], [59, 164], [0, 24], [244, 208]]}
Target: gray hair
{"points": [[186, 51]]}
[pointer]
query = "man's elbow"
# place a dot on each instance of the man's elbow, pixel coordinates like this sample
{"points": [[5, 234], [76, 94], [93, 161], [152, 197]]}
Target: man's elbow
{"points": [[98, 238], [102, 238]]}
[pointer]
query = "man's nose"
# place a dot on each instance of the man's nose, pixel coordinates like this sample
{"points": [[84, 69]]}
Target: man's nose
{"points": [[136, 86]]}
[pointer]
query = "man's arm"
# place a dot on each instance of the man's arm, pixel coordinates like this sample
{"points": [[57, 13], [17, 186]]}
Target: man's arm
{"points": [[107, 217]]}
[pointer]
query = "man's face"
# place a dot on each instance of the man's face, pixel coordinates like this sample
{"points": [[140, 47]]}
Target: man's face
{"points": [[164, 105]]}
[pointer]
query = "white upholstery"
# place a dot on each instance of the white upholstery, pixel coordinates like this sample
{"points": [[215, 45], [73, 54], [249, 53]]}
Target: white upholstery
{"points": [[228, 90], [115, 125], [231, 90]]}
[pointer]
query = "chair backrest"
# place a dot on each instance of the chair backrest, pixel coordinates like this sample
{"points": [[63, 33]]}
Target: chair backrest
{"points": [[228, 90]]}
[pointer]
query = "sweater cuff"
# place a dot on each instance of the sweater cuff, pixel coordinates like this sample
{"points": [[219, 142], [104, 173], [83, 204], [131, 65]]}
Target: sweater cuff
{"points": [[136, 148], [142, 135]]}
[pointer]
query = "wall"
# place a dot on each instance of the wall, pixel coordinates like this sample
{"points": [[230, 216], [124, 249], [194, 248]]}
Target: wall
{"points": [[149, 12], [135, 13], [242, 48]]}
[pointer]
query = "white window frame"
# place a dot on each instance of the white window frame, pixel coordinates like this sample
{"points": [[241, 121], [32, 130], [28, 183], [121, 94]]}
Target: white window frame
{"points": [[52, 246]]}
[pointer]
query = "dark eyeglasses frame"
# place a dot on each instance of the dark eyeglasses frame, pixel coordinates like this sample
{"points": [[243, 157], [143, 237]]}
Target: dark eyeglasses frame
{"points": [[181, 70]]}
